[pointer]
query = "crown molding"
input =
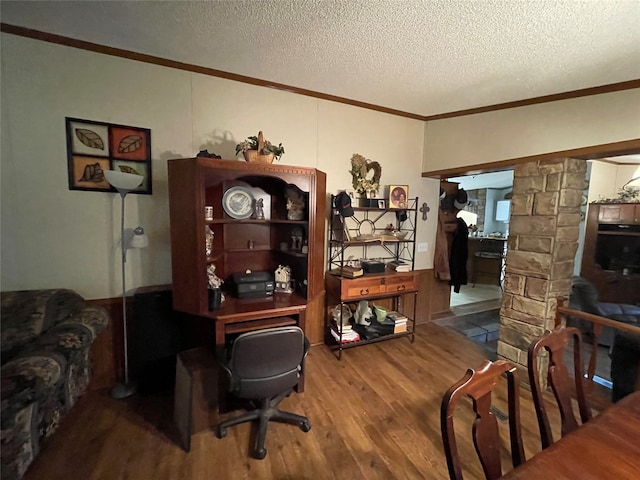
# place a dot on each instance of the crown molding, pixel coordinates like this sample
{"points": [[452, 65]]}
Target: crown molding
{"points": [[164, 62]]}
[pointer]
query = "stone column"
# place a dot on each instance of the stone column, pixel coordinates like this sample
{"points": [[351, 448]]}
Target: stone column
{"points": [[543, 239]]}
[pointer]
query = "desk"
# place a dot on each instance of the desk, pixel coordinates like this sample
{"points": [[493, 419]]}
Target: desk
{"points": [[244, 315], [194, 376], [607, 447]]}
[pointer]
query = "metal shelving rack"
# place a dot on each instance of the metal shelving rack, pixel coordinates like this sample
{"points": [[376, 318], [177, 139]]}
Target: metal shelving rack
{"points": [[359, 234]]}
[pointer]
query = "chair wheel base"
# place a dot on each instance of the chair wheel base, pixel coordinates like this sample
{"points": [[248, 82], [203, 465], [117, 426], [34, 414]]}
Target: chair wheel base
{"points": [[305, 426], [260, 454]]}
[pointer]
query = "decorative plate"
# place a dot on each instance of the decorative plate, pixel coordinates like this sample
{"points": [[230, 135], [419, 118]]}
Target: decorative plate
{"points": [[238, 202]]}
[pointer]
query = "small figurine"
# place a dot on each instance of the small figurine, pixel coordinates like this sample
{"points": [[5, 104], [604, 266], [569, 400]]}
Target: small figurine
{"points": [[206, 154], [215, 295], [213, 280], [363, 313], [283, 279], [296, 239], [260, 209], [295, 203], [341, 314], [208, 246]]}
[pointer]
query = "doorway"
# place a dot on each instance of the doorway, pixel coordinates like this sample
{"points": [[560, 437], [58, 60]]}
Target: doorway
{"points": [[488, 226]]}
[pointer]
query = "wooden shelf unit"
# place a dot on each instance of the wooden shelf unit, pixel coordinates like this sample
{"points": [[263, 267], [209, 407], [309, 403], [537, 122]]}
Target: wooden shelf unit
{"points": [[389, 288], [242, 244]]}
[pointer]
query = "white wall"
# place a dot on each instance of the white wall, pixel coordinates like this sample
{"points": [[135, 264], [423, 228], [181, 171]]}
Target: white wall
{"points": [[531, 130], [607, 179], [54, 237], [491, 225]]}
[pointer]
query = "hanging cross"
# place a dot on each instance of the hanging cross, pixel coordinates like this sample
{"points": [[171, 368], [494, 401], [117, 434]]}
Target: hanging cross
{"points": [[424, 209]]}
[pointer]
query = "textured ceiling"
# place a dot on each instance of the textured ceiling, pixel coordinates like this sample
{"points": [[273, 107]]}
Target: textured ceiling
{"points": [[423, 57]]}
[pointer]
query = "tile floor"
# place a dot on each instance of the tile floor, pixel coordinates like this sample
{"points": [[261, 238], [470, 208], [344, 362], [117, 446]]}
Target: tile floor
{"points": [[480, 327], [469, 294], [481, 298], [467, 307]]}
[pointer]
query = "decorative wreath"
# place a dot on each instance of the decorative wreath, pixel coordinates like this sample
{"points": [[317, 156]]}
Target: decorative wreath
{"points": [[360, 168]]}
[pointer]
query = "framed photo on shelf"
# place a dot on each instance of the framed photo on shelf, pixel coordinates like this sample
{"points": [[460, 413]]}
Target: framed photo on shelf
{"points": [[382, 204], [398, 196], [352, 193]]}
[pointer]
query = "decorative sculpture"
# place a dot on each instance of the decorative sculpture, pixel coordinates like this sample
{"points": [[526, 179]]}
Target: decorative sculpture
{"points": [[363, 313], [260, 209], [295, 203], [283, 279]]}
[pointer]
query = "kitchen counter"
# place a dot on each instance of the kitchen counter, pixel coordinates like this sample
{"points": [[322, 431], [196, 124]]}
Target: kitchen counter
{"points": [[485, 259], [471, 237]]}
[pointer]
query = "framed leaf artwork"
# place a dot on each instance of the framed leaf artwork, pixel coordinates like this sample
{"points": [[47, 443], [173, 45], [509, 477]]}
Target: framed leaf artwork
{"points": [[93, 147]]}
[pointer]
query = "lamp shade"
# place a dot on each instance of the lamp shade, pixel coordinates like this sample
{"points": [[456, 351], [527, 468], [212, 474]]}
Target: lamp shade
{"points": [[123, 181], [139, 239]]}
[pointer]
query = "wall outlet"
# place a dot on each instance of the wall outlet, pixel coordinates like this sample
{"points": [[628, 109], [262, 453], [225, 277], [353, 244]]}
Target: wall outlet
{"points": [[423, 247]]}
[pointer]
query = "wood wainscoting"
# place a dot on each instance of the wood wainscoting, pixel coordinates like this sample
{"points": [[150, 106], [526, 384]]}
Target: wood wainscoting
{"points": [[107, 352]]}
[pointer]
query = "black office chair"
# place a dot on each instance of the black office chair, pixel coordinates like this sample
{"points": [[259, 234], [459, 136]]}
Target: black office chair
{"points": [[265, 366]]}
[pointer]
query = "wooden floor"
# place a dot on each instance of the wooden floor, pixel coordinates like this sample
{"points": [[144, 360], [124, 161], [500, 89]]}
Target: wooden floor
{"points": [[374, 415]]}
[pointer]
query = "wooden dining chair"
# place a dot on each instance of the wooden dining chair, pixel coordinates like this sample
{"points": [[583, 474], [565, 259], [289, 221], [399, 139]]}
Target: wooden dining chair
{"points": [[478, 385], [554, 342]]}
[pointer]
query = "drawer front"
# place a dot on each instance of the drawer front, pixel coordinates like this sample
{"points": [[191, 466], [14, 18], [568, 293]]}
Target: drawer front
{"points": [[402, 283], [367, 286], [361, 289]]}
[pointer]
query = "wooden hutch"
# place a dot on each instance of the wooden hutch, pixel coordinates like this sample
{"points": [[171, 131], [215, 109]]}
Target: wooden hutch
{"points": [[247, 243], [611, 257]]}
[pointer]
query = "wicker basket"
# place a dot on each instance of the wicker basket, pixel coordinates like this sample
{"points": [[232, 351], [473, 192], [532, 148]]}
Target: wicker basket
{"points": [[255, 156]]}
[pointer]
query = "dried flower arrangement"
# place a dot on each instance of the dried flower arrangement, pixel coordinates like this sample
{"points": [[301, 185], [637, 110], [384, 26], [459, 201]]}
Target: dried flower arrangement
{"points": [[360, 168], [261, 146]]}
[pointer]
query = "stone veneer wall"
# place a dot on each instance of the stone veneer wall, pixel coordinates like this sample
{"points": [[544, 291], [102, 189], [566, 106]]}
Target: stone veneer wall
{"points": [[542, 244], [479, 209]]}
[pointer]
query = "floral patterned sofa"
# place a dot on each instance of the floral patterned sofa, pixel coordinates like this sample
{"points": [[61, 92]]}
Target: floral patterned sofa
{"points": [[46, 337]]}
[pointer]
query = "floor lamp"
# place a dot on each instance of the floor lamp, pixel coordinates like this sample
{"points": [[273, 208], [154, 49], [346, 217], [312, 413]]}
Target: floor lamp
{"points": [[124, 183]]}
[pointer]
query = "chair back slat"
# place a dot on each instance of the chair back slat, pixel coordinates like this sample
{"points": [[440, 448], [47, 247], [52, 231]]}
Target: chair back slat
{"points": [[564, 388], [479, 385]]}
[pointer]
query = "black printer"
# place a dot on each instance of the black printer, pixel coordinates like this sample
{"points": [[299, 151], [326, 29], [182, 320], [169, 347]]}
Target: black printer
{"points": [[253, 284]]}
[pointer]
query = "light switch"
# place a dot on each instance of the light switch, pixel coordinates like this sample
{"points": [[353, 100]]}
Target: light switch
{"points": [[423, 247]]}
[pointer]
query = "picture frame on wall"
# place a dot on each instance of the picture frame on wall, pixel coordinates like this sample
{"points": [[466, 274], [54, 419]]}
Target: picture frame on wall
{"points": [[93, 147], [398, 196]]}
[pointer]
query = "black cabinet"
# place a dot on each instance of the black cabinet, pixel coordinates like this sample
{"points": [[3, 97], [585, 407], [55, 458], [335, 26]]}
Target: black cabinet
{"points": [[155, 339], [611, 257]]}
